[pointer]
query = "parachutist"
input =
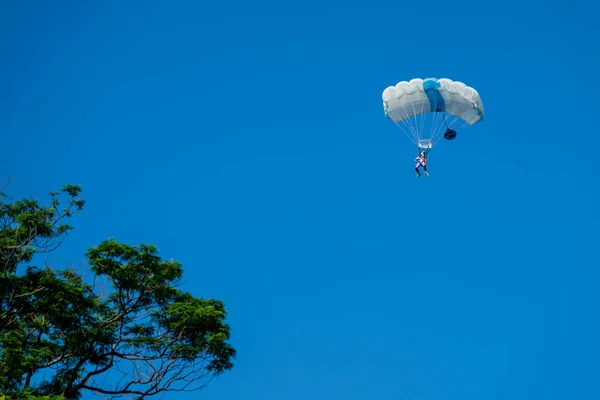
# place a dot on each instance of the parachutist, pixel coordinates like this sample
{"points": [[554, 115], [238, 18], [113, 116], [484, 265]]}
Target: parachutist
{"points": [[422, 161]]}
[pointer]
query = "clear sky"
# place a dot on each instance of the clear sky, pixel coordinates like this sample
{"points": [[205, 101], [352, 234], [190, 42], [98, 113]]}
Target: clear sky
{"points": [[248, 141]]}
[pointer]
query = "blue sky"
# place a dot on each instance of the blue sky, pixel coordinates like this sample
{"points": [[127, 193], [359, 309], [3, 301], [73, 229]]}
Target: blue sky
{"points": [[247, 140]]}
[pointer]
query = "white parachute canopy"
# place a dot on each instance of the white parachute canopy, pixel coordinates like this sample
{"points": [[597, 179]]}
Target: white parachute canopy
{"points": [[426, 108]]}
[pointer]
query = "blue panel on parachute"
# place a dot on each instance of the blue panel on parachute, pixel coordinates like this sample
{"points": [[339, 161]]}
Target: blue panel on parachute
{"points": [[431, 86]]}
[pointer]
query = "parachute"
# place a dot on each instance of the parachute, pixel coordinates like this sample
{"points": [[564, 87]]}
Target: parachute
{"points": [[428, 109]]}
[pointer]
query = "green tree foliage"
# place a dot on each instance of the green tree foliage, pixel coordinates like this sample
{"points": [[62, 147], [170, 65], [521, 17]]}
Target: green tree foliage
{"points": [[126, 330]]}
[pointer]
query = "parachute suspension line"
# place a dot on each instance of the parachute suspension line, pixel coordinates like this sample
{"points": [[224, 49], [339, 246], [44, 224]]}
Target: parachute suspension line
{"points": [[419, 122], [435, 127], [423, 121], [431, 128], [406, 133], [402, 127], [410, 129], [409, 125], [418, 118], [439, 132]]}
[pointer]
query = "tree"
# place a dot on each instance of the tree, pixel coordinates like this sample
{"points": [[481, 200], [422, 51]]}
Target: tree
{"points": [[62, 334]]}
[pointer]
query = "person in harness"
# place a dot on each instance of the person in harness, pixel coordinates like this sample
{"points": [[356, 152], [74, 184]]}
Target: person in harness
{"points": [[421, 162]]}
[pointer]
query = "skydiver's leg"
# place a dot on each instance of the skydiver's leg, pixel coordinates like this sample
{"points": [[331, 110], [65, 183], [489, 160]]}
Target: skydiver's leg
{"points": [[417, 169], [425, 169]]}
